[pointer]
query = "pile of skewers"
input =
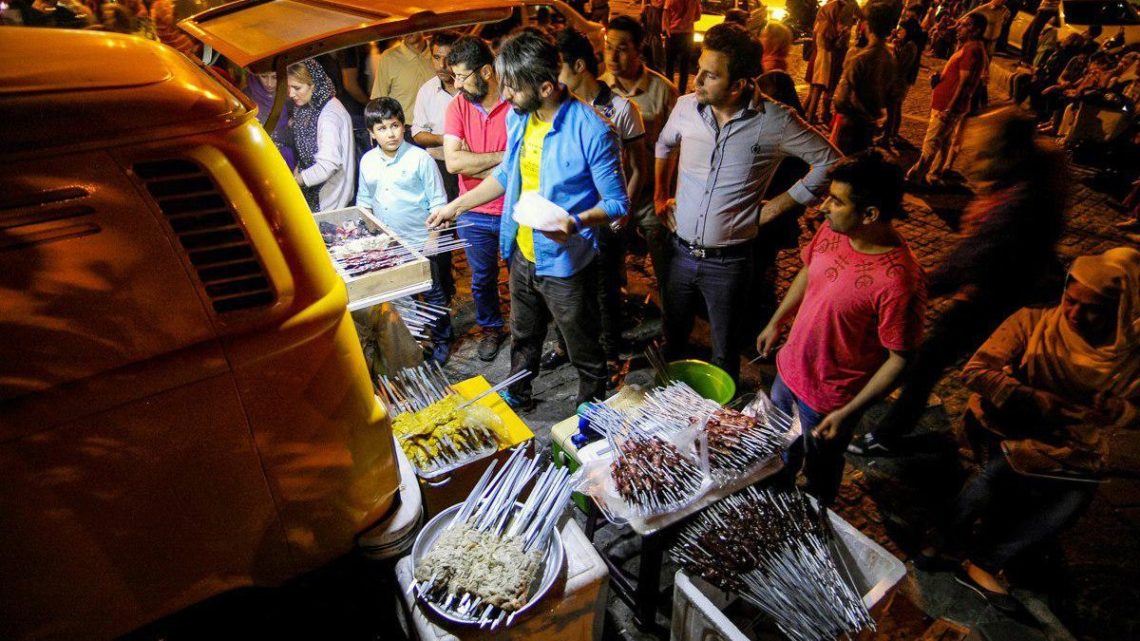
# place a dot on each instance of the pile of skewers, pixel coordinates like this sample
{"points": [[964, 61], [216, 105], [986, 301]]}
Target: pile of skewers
{"points": [[436, 427], [736, 442], [419, 316], [483, 566], [772, 548], [649, 473]]}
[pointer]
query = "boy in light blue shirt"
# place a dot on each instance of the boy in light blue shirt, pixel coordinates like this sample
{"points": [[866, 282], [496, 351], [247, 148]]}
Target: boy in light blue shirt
{"points": [[400, 184]]}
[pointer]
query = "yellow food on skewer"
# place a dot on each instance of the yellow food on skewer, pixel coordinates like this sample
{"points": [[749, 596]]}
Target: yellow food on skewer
{"points": [[442, 433]]}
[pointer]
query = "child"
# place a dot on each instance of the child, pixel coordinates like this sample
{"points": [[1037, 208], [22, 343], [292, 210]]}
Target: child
{"points": [[400, 184]]}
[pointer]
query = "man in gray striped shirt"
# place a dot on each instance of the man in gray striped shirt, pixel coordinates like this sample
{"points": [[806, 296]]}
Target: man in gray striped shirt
{"points": [[731, 139]]}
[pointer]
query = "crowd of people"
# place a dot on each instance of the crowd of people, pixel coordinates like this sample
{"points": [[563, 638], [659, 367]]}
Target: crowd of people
{"points": [[447, 129]]}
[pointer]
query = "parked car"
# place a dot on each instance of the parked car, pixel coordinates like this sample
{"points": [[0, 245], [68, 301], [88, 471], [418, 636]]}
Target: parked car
{"points": [[1078, 15], [185, 410]]}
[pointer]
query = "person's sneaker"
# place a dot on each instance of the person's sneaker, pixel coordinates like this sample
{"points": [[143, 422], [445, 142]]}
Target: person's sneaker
{"points": [[516, 403], [440, 352], [553, 359], [490, 342], [870, 445]]}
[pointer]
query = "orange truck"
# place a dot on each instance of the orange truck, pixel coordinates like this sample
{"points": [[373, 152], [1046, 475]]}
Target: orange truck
{"points": [[184, 407]]}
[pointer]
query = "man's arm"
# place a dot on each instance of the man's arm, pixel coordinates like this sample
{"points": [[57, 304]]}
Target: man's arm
{"points": [[484, 193], [464, 162], [960, 102], [383, 84], [427, 139], [350, 76], [792, 299], [604, 160], [805, 143], [836, 423], [666, 154], [637, 159]]}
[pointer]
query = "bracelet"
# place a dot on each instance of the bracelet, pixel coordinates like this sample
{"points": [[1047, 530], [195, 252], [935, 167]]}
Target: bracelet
{"points": [[577, 222]]}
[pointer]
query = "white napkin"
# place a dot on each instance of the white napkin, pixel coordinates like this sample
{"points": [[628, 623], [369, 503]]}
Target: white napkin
{"points": [[536, 212]]}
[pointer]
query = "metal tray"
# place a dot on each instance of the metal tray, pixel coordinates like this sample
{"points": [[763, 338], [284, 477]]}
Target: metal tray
{"points": [[554, 563]]}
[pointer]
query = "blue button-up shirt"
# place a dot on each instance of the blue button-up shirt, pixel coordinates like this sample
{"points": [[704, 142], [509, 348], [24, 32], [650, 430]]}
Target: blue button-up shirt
{"points": [[580, 170], [724, 171], [402, 190]]}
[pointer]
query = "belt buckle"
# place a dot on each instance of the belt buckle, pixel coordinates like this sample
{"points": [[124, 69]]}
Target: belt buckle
{"points": [[697, 252]]}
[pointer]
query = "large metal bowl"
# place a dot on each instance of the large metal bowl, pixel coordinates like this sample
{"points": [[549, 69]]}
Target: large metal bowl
{"points": [[553, 562]]}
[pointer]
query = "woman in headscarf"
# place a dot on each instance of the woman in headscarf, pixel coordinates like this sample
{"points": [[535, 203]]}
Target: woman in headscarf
{"points": [[162, 15], [262, 88], [1058, 402], [322, 137]]}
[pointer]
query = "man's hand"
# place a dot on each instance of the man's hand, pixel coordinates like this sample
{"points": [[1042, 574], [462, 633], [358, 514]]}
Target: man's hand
{"points": [[443, 215], [664, 210], [563, 234], [768, 338], [297, 176], [776, 207], [832, 426]]}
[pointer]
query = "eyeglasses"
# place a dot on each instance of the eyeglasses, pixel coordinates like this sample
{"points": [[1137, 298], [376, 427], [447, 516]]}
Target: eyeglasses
{"points": [[460, 79]]}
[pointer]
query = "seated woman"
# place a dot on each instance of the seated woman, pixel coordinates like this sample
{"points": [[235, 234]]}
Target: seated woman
{"points": [[1058, 404], [322, 136]]}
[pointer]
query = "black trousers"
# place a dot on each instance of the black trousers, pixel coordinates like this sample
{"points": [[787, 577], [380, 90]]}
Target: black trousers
{"points": [[721, 284], [572, 303], [678, 52], [611, 277]]}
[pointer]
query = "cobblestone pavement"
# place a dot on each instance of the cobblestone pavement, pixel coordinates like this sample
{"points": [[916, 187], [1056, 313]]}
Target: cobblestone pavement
{"points": [[1077, 588]]}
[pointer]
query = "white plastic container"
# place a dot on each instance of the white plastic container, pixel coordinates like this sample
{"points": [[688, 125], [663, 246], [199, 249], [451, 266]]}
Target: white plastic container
{"points": [[698, 607], [577, 614]]}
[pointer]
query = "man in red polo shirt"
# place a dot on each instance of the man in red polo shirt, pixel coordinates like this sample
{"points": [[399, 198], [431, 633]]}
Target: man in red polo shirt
{"points": [[474, 138]]}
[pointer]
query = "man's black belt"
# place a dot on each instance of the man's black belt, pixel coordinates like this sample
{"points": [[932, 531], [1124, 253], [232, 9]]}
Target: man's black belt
{"points": [[728, 251]]}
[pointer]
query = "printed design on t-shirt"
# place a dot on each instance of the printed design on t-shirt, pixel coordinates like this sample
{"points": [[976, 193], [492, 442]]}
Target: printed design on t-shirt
{"points": [[864, 278], [836, 268], [895, 267], [607, 109], [827, 245]]}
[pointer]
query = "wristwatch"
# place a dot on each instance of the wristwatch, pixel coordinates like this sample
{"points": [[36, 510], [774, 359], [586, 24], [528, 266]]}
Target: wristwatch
{"points": [[577, 222]]}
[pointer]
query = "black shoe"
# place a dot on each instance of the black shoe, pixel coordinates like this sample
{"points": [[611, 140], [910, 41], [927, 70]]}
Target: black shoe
{"points": [[1004, 603], [554, 359], [870, 445], [490, 343], [517, 403]]}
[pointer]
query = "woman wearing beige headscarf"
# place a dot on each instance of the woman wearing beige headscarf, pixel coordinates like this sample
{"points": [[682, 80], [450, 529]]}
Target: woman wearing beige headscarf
{"points": [[1058, 396]]}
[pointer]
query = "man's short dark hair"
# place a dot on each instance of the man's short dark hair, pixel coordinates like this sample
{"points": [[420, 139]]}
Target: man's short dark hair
{"points": [[381, 109], [575, 46], [978, 22], [526, 60], [445, 38], [743, 53], [874, 180], [471, 52], [881, 17], [630, 26]]}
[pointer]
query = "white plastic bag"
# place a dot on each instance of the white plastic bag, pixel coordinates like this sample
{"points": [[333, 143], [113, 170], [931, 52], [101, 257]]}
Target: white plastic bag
{"points": [[538, 213]]}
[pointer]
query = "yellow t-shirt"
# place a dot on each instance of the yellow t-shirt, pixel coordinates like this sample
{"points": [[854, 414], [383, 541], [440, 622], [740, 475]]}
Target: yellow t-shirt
{"points": [[530, 164]]}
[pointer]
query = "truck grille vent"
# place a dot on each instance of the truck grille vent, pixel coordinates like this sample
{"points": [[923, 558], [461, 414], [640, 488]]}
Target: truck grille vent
{"points": [[215, 242]]}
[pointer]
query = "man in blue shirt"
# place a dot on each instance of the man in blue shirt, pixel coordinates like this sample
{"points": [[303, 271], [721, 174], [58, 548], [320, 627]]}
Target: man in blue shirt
{"points": [[561, 149], [400, 184]]}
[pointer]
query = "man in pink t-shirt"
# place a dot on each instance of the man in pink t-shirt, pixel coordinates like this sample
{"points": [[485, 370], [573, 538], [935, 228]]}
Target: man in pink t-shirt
{"points": [[858, 306], [474, 138]]}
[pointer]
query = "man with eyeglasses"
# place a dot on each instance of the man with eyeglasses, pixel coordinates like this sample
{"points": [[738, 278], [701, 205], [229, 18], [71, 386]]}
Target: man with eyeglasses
{"points": [[474, 137]]}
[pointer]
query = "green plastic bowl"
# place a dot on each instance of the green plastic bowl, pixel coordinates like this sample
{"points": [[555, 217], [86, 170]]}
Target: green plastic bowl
{"points": [[706, 379]]}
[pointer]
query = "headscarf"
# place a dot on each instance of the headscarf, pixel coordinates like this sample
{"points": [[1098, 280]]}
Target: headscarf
{"points": [[1058, 357], [281, 135], [304, 125], [162, 15]]}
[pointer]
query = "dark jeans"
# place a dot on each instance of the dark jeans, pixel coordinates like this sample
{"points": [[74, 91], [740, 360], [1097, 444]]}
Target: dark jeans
{"points": [[1032, 33], [1016, 512], [956, 334], [483, 259], [722, 284], [441, 331], [573, 305], [611, 276], [822, 461], [678, 51]]}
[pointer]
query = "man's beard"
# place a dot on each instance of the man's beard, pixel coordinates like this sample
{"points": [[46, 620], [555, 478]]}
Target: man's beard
{"points": [[481, 89], [532, 104]]}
